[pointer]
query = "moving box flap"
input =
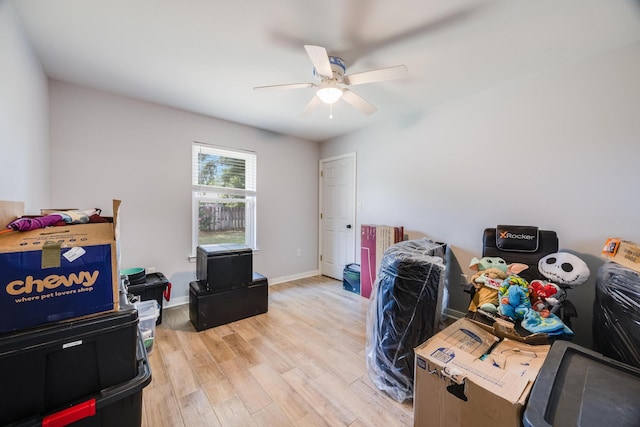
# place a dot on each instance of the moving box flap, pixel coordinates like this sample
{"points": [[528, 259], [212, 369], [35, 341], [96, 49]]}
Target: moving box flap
{"points": [[460, 366], [519, 358], [467, 336], [116, 219], [517, 238], [10, 211], [504, 329]]}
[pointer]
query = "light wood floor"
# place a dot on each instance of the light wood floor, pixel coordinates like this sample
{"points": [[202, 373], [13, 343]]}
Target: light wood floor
{"points": [[302, 363]]}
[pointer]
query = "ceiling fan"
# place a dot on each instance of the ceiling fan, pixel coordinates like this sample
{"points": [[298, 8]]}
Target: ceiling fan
{"points": [[333, 82]]}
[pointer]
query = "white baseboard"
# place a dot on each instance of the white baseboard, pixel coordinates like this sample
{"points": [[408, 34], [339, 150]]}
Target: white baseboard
{"points": [[176, 301], [276, 280]]}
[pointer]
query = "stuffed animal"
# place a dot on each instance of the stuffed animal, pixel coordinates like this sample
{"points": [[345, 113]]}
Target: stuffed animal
{"points": [[561, 270], [486, 284], [564, 268], [488, 262], [490, 272], [514, 297], [546, 297]]}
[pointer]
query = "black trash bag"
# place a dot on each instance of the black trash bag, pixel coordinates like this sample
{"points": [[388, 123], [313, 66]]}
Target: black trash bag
{"points": [[616, 313], [404, 311]]}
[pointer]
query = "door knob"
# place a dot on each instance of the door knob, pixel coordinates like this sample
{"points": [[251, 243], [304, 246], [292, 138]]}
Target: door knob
{"points": [[348, 225]]}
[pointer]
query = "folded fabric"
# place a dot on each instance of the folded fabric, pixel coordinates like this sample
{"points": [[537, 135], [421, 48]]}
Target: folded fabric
{"points": [[55, 218], [96, 218], [76, 217], [551, 325], [25, 224]]}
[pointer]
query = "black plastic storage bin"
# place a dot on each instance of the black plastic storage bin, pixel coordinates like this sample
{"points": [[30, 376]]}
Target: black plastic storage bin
{"points": [[224, 266], [579, 387], [120, 405], [153, 288], [351, 278], [208, 309], [48, 367]]}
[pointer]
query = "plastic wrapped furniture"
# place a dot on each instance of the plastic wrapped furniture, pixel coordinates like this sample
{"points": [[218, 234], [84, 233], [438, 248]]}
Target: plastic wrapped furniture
{"points": [[616, 313], [404, 311]]}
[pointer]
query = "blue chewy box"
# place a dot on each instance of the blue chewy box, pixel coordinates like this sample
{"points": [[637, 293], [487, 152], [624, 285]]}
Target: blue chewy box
{"points": [[57, 273]]}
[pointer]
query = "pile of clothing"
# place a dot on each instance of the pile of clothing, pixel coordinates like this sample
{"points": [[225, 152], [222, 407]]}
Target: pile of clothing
{"points": [[27, 223]]}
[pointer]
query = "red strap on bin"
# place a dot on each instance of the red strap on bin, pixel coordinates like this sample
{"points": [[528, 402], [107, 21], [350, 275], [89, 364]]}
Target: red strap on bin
{"points": [[167, 292], [71, 415]]}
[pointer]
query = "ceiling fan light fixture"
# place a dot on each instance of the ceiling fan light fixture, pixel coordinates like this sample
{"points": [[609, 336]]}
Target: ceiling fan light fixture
{"points": [[329, 94]]}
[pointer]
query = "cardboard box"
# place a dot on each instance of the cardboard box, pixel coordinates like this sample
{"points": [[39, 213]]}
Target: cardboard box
{"points": [[623, 252], [58, 273], [466, 376], [505, 329], [374, 240], [10, 211]]}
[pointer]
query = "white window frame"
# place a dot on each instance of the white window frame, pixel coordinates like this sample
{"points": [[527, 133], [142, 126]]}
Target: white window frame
{"points": [[206, 193]]}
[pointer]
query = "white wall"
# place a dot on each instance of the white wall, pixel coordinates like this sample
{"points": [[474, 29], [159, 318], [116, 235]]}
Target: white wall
{"points": [[24, 118], [105, 146], [558, 150]]}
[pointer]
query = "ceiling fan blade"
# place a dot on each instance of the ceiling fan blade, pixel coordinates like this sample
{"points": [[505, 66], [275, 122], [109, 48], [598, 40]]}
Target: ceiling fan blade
{"points": [[320, 60], [389, 73], [358, 102], [363, 48], [311, 105], [286, 86]]}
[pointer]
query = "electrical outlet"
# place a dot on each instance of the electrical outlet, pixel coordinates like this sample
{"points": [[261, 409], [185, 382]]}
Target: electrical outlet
{"points": [[151, 270], [299, 252]]}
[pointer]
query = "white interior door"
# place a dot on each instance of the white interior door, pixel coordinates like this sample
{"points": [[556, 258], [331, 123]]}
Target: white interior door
{"points": [[337, 215]]}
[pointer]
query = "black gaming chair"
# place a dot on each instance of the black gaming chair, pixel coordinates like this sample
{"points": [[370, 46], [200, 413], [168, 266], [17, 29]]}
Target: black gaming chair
{"points": [[522, 244], [526, 245]]}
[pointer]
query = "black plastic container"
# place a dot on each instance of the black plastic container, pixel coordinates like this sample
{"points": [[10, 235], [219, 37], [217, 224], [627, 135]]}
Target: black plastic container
{"points": [[208, 309], [222, 267], [579, 387], [136, 275], [120, 405], [48, 367], [153, 288]]}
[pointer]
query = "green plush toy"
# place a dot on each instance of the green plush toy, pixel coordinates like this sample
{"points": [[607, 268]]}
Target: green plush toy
{"points": [[490, 272]]}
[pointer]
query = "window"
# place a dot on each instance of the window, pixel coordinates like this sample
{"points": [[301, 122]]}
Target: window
{"points": [[224, 195]]}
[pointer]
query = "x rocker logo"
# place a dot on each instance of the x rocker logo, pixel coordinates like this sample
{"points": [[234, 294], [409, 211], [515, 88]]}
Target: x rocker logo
{"points": [[508, 235]]}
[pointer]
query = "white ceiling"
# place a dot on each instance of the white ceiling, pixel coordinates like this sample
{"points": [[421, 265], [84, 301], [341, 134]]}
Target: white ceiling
{"points": [[206, 56]]}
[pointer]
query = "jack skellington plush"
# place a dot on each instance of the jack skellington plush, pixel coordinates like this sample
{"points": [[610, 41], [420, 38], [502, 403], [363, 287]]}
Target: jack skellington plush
{"points": [[566, 271]]}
